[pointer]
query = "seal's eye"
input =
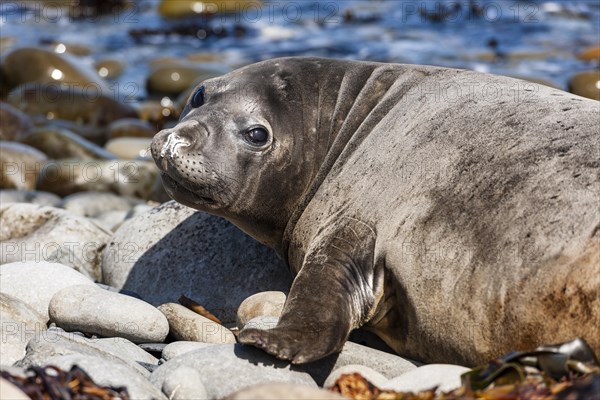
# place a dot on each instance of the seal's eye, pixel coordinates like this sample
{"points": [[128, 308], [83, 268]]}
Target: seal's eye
{"points": [[257, 136], [198, 98]]}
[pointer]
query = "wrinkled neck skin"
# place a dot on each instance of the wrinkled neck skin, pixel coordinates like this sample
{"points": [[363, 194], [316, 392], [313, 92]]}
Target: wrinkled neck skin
{"points": [[347, 98]]}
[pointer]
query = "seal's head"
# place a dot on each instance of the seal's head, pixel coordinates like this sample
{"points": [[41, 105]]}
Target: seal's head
{"points": [[245, 146]]}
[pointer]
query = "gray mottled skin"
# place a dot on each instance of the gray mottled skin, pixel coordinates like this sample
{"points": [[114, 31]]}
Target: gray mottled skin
{"points": [[454, 213]]}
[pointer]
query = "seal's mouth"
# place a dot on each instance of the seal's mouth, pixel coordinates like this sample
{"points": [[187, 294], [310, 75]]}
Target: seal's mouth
{"points": [[179, 191]]}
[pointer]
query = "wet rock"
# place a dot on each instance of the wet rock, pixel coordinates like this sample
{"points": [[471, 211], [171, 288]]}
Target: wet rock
{"points": [[159, 113], [35, 283], [84, 105], [59, 143], [129, 148], [131, 127], [18, 322], [132, 178], [10, 391], [33, 197], [71, 48], [13, 122], [204, 57], [227, 368], [283, 391], [93, 310], [174, 79], [93, 204], [39, 233], [87, 9], [19, 165], [94, 134], [182, 9], [586, 84], [445, 376], [109, 68], [30, 64], [564, 10], [590, 54], [184, 383], [269, 304], [178, 348], [197, 253], [110, 373], [184, 324], [369, 374]]}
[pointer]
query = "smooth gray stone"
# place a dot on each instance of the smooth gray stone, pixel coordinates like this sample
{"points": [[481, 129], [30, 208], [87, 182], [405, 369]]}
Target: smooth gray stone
{"points": [[185, 324], [10, 391], [94, 204], [51, 343], [283, 391], [139, 209], [18, 322], [115, 290], [18, 311], [184, 383], [110, 220], [94, 310], [445, 376], [388, 365], [131, 178], [368, 373], [125, 350], [24, 196], [15, 371], [173, 250], [260, 304], [40, 233], [262, 322], [20, 165], [35, 283], [109, 373], [226, 368], [178, 348]]}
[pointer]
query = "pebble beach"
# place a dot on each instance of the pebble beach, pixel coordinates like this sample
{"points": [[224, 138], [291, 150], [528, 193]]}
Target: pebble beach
{"points": [[102, 271]]}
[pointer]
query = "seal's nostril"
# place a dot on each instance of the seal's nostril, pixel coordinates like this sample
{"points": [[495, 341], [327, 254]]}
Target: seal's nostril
{"points": [[173, 143]]}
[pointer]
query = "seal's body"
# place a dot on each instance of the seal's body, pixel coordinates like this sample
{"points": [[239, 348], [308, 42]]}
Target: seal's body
{"points": [[456, 214]]}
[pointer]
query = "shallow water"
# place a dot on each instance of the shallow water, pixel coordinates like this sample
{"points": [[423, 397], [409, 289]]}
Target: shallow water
{"points": [[536, 39]]}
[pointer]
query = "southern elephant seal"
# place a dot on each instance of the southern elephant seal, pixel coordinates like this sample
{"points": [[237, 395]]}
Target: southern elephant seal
{"points": [[454, 213]]}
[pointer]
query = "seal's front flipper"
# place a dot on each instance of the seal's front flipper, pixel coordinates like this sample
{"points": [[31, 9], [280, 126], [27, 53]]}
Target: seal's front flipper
{"points": [[334, 292]]}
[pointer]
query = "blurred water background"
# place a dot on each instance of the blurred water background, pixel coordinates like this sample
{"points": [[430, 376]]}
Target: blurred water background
{"points": [[96, 79], [538, 40]]}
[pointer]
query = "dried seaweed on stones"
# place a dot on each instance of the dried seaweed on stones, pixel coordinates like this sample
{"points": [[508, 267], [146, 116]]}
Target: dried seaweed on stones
{"points": [[52, 383], [567, 371]]}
